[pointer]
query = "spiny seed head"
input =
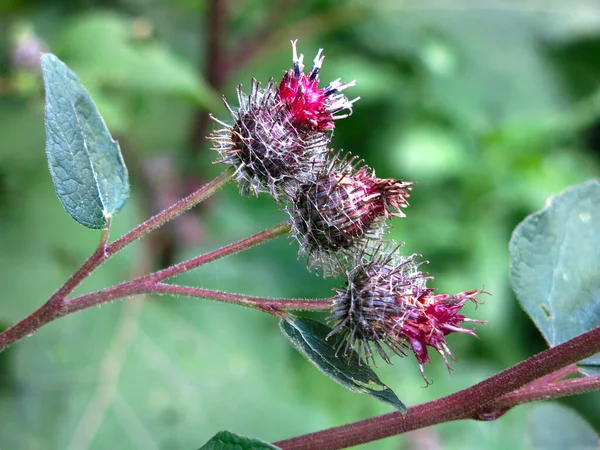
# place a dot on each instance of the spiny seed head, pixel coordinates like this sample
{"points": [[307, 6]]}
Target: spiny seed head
{"points": [[269, 153], [342, 208], [310, 107], [377, 275], [386, 303], [279, 137]]}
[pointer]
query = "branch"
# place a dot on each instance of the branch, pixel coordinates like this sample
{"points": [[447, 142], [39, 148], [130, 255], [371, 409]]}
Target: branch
{"points": [[55, 306], [150, 284], [244, 244], [130, 288], [528, 394], [269, 305], [50, 310], [571, 369], [80, 274], [164, 216], [465, 404]]}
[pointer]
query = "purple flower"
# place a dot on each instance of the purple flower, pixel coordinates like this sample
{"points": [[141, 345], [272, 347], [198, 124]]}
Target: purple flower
{"points": [[386, 304], [310, 107], [280, 134]]}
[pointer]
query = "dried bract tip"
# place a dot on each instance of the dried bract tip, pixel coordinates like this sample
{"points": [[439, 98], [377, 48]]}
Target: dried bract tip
{"points": [[310, 107], [427, 320], [342, 208], [386, 304]]}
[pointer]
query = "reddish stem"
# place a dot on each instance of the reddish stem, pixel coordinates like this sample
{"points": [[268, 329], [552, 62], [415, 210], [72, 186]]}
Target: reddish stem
{"points": [[53, 308], [135, 287], [244, 244], [571, 369], [50, 310], [164, 216], [269, 305], [80, 274], [149, 284], [551, 390], [466, 404]]}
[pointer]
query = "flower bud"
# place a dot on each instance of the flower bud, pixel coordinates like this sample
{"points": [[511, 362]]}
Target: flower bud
{"points": [[342, 208], [267, 151], [279, 137], [386, 303]]}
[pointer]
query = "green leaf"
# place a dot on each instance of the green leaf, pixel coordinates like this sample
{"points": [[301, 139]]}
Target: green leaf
{"points": [[555, 266], [226, 440], [556, 427], [85, 162], [309, 337]]}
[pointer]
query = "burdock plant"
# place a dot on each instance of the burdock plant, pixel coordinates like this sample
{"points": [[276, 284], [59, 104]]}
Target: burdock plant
{"points": [[278, 142]]}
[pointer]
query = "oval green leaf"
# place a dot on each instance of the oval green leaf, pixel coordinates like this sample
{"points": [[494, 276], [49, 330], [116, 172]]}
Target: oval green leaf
{"points": [[226, 440], [85, 162], [556, 427], [555, 266], [309, 337]]}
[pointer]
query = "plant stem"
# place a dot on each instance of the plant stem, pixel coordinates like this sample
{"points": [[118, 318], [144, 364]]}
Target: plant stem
{"points": [[470, 403], [150, 284], [558, 389], [244, 244], [56, 300], [130, 288], [146, 284], [164, 216], [50, 310], [268, 305], [571, 369], [55, 305]]}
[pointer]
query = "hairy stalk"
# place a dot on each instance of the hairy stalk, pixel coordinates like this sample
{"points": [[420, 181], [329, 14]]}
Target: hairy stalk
{"points": [[50, 310], [54, 306], [554, 390], [84, 270], [274, 306], [269, 305], [475, 402], [149, 284], [168, 214], [244, 244], [571, 369]]}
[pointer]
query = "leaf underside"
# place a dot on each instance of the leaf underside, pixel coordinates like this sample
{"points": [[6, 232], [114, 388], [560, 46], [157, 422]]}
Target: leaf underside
{"points": [[309, 337]]}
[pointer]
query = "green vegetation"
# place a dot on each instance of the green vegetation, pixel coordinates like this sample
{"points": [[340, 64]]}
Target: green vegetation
{"points": [[490, 110]]}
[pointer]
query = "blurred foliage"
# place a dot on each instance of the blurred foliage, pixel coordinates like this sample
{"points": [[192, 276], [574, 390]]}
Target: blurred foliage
{"points": [[554, 274], [554, 427], [490, 109]]}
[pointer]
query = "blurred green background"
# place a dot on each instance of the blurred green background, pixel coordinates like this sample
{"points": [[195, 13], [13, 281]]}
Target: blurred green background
{"points": [[490, 106]]}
